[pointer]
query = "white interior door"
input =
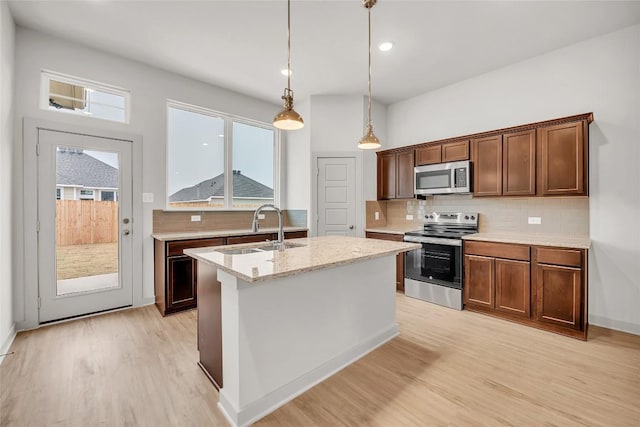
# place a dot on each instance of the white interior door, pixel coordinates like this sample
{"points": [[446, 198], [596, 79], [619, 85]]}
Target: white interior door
{"points": [[85, 224], [336, 196]]}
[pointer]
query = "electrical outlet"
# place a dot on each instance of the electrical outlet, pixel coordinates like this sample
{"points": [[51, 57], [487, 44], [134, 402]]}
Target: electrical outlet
{"points": [[535, 220], [147, 197], [376, 216], [195, 218], [409, 217], [260, 216]]}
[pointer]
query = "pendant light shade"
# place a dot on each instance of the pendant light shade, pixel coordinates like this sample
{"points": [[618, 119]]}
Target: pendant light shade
{"points": [[369, 141], [288, 118]]}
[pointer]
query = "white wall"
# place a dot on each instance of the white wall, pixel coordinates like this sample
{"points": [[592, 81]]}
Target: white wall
{"points": [[150, 87], [7, 45], [600, 75]]}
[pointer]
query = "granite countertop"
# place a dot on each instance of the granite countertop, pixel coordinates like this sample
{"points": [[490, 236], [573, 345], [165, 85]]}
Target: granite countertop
{"points": [[393, 229], [315, 254], [533, 239], [186, 235]]}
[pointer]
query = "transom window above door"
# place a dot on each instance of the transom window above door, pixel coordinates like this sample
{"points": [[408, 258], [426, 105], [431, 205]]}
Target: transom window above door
{"points": [[67, 94], [218, 161]]}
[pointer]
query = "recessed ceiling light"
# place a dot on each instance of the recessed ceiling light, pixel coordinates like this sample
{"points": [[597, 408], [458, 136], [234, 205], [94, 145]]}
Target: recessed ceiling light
{"points": [[205, 144], [385, 46], [285, 72], [221, 136]]}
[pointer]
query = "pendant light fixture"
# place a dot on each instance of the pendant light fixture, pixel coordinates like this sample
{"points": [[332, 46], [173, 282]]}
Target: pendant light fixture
{"points": [[369, 141], [288, 119]]}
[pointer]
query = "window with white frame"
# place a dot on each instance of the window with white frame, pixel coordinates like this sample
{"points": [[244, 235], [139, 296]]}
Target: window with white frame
{"points": [[58, 193], [83, 97], [86, 195], [217, 161]]}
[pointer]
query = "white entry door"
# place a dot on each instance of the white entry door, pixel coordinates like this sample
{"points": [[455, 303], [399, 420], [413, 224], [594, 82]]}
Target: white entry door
{"points": [[336, 196], [84, 217]]}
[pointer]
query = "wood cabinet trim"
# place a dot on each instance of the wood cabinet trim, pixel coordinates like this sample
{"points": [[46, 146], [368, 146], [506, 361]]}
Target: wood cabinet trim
{"points": [[586, 117]]}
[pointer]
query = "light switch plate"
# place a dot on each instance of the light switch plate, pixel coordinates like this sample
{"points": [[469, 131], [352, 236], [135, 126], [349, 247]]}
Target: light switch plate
{"points": [[376, 215], [147, 197], [196, 218], [409, 217], [535, 220]]}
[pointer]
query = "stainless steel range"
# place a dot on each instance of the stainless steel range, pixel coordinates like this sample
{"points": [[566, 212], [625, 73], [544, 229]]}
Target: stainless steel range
{"points": [[434, 272]]}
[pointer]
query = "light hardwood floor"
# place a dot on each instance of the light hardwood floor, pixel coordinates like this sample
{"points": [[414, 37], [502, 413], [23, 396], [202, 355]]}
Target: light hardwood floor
{"points": [[447, 368]]}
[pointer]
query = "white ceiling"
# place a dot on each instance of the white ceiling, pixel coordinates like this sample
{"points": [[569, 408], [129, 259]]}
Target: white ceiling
{"points": [[241, 45]]}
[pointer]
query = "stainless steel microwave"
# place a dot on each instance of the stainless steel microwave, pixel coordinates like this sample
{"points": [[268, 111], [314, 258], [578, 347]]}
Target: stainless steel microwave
{"points": [[443, 178]]}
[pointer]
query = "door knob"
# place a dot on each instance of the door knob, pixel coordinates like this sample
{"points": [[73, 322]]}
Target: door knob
{"points": [[126, 232], [351, 227]]}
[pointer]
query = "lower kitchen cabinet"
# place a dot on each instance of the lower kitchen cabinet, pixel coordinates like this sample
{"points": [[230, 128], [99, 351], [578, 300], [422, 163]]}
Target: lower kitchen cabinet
{"points": [[175, 275], [544, 287], [399, 257]]}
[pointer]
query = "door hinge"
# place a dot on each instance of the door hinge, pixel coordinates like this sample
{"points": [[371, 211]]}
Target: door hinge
{"points": [[37, 149], [39, 303]]}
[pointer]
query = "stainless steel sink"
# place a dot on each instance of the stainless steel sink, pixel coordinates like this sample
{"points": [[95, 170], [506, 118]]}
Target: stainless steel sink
{"points": [[239, 251], [274, 246], [271, 246]]}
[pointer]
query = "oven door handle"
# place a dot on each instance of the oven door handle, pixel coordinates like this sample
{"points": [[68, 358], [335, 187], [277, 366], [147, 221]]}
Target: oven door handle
{"points": [[433, 240]]}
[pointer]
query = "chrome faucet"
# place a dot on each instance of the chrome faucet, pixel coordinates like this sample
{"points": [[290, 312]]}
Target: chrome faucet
{"points": [[254, 225]]}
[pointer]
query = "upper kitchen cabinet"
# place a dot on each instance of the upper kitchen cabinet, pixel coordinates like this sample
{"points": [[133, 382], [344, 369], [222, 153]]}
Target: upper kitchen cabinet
{"points": [[395, 174], [487, 166], [442, 153], [563, 159], [519, 164], [541, 159]]}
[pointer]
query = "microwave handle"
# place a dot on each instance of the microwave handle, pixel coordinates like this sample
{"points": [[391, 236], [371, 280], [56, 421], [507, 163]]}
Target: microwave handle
{"points": [[454, 182]]}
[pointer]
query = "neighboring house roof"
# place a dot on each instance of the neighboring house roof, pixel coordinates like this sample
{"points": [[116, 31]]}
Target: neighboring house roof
{"points": [[73, 167], [243, 186]]}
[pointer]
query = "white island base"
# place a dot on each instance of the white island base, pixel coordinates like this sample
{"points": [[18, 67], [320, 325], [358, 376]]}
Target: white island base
{"points": [[284, 335]]}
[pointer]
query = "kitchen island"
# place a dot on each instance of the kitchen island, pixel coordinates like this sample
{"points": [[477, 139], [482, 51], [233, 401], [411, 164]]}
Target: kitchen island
{"points": [[290, 319]]}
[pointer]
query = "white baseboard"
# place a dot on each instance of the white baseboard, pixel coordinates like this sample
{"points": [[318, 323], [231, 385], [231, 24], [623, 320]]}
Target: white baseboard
{"points": [[6, 345], [272, 401], [617, 325]]}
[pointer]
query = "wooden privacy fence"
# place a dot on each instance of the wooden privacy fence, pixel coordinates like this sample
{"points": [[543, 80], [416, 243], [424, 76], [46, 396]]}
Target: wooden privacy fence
{"points": [[83, 222]]}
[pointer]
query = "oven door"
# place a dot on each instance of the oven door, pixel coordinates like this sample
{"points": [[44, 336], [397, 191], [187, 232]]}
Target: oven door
{"points": [[435, 263]]}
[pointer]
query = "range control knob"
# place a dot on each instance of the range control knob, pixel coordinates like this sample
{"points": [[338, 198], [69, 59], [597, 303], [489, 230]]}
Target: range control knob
{"points": [[466, 217], [473, 217], [430, 216]]}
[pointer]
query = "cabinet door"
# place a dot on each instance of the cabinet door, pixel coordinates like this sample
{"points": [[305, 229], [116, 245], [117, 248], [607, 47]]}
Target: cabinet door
{"points": [[429, 155], [559, 295], [455, 151], [563, 159], [479, 281], [181, 283], [519, 164], [386, 176], [487, 166], [404, 175], [513, 289]]}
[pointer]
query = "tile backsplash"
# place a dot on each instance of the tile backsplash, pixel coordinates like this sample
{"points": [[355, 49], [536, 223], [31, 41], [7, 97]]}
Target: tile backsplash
{"points": [[567, 216]]}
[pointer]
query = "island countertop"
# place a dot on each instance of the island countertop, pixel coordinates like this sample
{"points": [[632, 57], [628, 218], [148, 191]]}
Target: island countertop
{"points": [[315, 253]]}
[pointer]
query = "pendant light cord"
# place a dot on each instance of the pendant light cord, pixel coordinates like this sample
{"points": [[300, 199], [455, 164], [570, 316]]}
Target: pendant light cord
{"points": [[369, 10], [289, 45]]}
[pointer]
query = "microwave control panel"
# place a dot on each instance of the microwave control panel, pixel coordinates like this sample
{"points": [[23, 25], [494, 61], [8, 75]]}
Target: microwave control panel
{"points": [[461, 177]]}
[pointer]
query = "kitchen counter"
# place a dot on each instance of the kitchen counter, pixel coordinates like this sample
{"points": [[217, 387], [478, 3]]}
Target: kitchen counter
{"points": [[533, 239], [317, 308], [314, 254], [394, 229], [219, 233]]}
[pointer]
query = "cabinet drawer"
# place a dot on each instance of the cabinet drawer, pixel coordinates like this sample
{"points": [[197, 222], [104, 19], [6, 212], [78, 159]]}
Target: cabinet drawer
{"points": [[176, 247], [385, 236], [251, 238], [497, 250], [568, 257]]}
